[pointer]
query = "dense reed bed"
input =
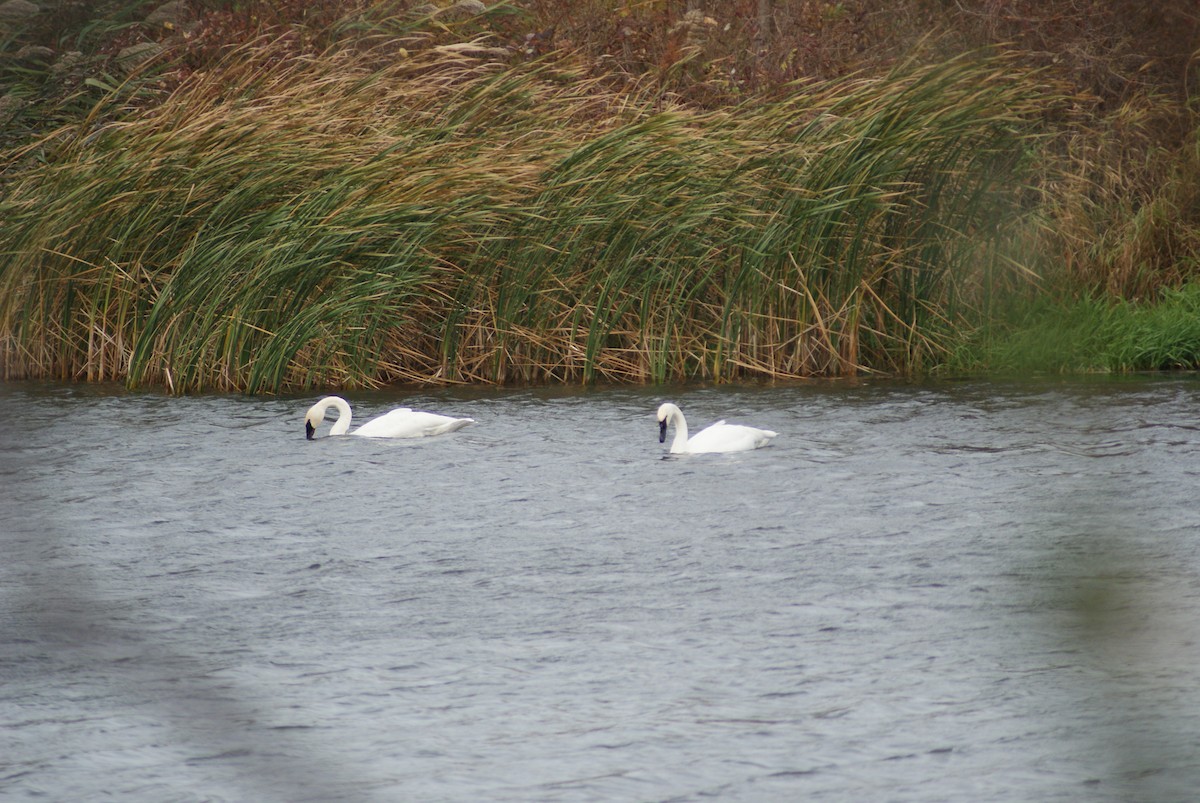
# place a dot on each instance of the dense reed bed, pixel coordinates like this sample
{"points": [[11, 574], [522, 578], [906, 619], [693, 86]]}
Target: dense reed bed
{"points": [[340, 219]]}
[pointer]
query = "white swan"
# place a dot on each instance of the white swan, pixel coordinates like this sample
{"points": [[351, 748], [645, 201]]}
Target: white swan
{"points": [[399, 423], [720, 437]]}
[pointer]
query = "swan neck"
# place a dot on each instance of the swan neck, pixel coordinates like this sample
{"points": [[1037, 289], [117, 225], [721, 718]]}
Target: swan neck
{"points": [[342, 425], [681, 431]]}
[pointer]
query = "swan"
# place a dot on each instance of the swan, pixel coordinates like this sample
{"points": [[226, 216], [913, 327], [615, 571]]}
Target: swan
{"points": [[399, 423], [720, 437]]}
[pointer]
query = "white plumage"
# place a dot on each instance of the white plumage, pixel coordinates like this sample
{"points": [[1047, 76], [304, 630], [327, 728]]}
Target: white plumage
{"points": [[399, 423], [719, 437]]}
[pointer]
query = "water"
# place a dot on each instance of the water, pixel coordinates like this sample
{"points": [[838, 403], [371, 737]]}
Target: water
{"points": [[961, 591]]}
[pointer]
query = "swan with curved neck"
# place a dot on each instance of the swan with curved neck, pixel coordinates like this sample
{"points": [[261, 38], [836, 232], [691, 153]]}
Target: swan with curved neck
{"points": [[719, 437], [399, 423]]}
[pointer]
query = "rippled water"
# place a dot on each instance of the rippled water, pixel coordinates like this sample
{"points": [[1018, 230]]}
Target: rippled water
{"points": [[963, 591]]}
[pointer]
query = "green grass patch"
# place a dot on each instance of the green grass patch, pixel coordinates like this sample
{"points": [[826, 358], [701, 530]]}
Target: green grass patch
{"points": [[1091, 335]]}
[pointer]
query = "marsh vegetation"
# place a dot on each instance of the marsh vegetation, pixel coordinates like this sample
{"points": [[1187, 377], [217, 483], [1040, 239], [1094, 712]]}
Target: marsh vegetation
{"points": [[295, 195]]}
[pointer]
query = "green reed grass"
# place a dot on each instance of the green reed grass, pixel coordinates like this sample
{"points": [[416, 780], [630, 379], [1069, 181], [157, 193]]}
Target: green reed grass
{"points": [[296, 222], [1103, 335]]}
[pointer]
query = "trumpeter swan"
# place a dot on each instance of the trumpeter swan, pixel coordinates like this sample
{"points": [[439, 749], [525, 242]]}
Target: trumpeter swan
{"points": [[399, 423], [720, 437]]}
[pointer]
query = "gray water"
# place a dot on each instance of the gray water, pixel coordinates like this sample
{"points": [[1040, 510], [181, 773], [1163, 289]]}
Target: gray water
{"points": [[964, 591]]}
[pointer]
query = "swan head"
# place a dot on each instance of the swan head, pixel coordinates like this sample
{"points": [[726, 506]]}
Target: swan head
{"points": [[665, 411], [311, 420]]}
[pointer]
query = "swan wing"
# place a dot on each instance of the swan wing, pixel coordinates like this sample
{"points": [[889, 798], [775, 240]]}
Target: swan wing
{"points": [[404, 422], [722, 437]]}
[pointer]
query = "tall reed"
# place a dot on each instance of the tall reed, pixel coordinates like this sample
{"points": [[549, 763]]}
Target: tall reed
{"points": [[288, 221]]}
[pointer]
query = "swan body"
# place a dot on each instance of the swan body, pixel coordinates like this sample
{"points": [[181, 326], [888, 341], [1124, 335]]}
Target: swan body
{"points": [[719, 437], [399, 423]]}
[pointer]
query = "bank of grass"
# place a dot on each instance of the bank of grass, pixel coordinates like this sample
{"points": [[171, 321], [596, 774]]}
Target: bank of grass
{"points": [[1090, 335], [290, 220]]}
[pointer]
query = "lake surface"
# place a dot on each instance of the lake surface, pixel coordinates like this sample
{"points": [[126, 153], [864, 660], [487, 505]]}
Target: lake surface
{"points": [[980, 591]]}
